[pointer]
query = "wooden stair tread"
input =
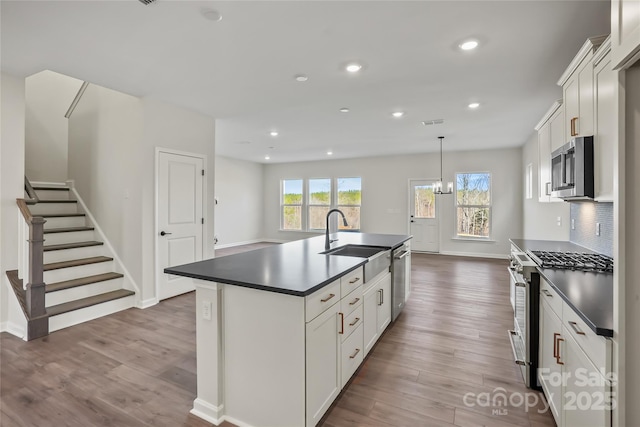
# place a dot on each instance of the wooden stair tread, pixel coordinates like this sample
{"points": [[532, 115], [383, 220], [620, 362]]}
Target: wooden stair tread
{"points": [[67, 284], [88, 302], [57, 201], [67, 229], [40, 187], [62, 215], [76, 262], [71, 246]]}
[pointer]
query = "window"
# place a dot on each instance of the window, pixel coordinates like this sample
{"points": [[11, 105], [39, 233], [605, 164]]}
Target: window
{"points": [[473, 200], [319, 202], [291, 204], [349, 201], [305, 203]]}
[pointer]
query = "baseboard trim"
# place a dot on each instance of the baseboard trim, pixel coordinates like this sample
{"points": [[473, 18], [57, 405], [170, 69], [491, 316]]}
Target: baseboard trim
{"points": [[147, 303], [471, 254], [15, 330], [236, 422], [207, 411], [3, 327]]}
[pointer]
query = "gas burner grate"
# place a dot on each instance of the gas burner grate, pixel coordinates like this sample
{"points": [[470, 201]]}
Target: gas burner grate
{"points": [[573, 261]]}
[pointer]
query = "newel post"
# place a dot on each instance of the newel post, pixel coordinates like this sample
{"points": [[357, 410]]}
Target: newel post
{"points": [[38, 326]]}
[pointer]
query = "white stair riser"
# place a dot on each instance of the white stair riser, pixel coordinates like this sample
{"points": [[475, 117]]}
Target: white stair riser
{"points": [[72, 294], [62, 274], [68, 237], [64, 222], [84, 315], [53, 195], [53, 208], [71, 254]]}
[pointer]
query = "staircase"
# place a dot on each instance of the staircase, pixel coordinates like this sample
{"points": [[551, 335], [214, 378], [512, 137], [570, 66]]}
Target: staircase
{"points": [[82, 279]]}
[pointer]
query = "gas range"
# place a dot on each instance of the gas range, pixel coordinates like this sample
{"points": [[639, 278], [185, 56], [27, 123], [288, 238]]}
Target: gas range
{"points": [[572, 261]]}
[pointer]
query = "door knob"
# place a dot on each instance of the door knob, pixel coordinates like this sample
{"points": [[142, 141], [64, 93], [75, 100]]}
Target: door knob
{"points": [[164, 233], [412, 221]]}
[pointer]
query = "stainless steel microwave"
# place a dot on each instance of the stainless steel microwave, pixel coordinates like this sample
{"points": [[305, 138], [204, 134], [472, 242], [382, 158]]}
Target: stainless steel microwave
{"points": [[572, 170]]}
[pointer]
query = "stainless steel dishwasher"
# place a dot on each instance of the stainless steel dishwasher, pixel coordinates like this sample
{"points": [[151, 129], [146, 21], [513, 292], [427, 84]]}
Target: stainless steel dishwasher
{"points": [[398, 279]]}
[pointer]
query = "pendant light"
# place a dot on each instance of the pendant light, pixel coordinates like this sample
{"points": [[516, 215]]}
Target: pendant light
{"points": [[438, 185]]}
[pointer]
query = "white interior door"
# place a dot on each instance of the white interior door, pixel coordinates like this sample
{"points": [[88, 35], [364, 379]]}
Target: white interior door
{"points": [[423, 221], [180, 218]]}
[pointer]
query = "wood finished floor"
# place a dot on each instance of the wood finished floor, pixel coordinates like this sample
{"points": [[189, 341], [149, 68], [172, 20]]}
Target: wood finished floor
{"points": [[137, 367]]}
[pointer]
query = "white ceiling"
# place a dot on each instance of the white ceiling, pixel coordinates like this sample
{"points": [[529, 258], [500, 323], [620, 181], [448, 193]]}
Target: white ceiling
{"points": [[240, 70]]}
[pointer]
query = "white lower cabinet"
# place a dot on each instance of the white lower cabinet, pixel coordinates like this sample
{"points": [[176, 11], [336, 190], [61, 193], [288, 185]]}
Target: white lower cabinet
{"points": [[352, 353], [323, 352], [377, 309], [574, 365]]}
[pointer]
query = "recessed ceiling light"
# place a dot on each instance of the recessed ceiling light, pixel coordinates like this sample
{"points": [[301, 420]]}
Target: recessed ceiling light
{"points": [[397, 114], [353, 67], [301, 77], [273, 133], [267, 157], [329, 153], [474, 105], [469, 45], [211, 14], [344, 110]]}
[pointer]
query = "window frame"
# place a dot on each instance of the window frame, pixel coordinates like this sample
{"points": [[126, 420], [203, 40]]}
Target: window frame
{"points": [[283, 205], [489, 208], [309, 204]]}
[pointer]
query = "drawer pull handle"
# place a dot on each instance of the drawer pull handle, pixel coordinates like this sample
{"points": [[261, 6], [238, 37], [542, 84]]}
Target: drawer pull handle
{"points": [[328, 298], [355, 301], [380, 297], [355, 280], [357, 319], [555, 345], [341, 323], [547, 293], [577, 330], [353, 356]]}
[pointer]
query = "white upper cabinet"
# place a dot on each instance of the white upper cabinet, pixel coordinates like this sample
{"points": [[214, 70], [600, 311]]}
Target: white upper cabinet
{"points": [[605, 126], [550, 136], [577, 89], [625, 33]]}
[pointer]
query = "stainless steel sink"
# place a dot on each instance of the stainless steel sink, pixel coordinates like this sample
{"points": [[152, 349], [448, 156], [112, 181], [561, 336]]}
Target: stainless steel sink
{"points": [[355, 250]]}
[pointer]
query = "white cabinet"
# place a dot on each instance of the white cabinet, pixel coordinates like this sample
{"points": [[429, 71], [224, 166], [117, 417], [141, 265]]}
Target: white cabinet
{"points": [[407, 272], [625, 32], [573, 365], [550, 134], [377, 309], [577, 89], [323, 352], [606, 124]]}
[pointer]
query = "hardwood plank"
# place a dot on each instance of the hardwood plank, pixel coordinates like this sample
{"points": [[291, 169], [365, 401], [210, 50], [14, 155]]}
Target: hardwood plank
{"points": [[67, 284], [74, 245], [67, 230], [76, 262], [88, 302]]}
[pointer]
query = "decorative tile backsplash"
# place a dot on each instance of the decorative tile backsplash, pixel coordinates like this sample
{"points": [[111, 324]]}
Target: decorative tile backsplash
{"points": [[585, 216]]}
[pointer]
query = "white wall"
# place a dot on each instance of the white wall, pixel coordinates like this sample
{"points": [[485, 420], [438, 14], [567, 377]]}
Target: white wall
{"points": [[12, 119], [385, 190], [239, 211], [540, 219], [48, 97], [112, 142]]}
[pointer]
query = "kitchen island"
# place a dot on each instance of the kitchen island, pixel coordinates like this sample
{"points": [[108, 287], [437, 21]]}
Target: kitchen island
{"points": [[280, 330]]}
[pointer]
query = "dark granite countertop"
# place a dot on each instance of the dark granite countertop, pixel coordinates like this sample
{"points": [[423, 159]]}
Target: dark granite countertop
{"points": [[589, 294], [295, 268]]}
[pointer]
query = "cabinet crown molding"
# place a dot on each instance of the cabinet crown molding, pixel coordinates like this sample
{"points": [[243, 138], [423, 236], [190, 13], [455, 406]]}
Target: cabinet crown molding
{"points": [[589, 46], [557, 104], [602, 51]]}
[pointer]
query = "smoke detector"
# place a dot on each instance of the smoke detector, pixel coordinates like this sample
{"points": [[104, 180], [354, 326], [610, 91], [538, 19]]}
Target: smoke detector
{"points": [[147, 2], [433, 122]]}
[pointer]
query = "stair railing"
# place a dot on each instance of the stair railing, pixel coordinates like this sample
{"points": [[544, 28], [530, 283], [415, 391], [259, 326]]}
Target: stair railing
{"points": [[31, 268]]}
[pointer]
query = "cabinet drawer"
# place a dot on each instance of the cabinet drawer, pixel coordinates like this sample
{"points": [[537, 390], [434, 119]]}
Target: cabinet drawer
{"points": [[596, 347], [351, 322], [352, 352], [319, 301], [351, 301], [351, 281], [548, 294]]}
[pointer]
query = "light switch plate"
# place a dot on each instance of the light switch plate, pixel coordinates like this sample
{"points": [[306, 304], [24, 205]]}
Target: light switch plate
{"points": [[573, 224], [206, 310], [597, 228], [559, 221]]}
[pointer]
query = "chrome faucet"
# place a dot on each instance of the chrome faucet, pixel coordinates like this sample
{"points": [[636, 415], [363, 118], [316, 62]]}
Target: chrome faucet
{"points": [[327, 241]]}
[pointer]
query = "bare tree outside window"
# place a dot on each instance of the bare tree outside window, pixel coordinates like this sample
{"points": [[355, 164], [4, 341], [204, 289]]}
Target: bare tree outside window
{"points": [[473, 199]]}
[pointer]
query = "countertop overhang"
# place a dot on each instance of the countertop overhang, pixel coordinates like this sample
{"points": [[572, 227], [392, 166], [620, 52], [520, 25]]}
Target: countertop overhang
{"points": [[588, 293], [296, 268]]}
